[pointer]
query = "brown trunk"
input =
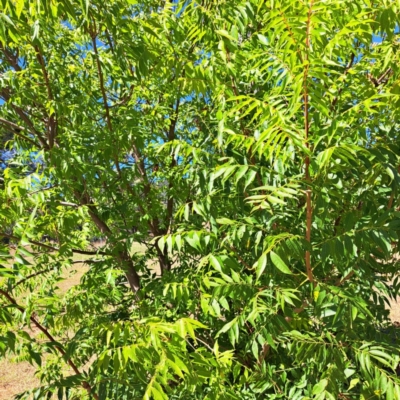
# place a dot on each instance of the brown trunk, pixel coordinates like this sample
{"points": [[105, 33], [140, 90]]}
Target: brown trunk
{"points": [[163, 259], [130, 272], [123, 256]]}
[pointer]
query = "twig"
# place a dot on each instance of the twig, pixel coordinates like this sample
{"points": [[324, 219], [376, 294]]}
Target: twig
{"points": [[46, 246], [93, 35], [52, 123], [50, 269], [346, 278], [17, 130], [348, 66], [11, 59], [377, 81]]}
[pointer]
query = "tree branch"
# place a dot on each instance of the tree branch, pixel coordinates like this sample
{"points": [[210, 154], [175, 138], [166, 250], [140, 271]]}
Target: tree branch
{"points": [[101, 78], [93, 35], [84, 384], [17, 131], [348, 66], [11, 58], [52, 248], [28, 122], [7, 97], [377, 81], [67, 204], [122, 256], [52, 123], [171, 137], [31, 276], [21, 281], [307, 160]]}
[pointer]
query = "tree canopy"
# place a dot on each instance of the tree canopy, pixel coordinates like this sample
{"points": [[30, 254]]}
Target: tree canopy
{"points": [[251, 147]]}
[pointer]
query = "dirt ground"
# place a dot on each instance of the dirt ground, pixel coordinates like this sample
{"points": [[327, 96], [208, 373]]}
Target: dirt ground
{"points": [[395, 310], [15, 378]]}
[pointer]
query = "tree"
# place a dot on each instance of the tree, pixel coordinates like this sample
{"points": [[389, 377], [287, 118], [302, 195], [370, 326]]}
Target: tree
{"points": [[258, 144]]}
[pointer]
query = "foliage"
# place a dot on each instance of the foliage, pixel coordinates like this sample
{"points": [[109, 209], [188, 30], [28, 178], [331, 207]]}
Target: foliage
{"points": [[252, 146]]}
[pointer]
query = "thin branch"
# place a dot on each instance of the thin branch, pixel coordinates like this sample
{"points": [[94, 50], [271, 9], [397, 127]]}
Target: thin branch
{"points": [[52, 119], [348, 66], [28, 122], [12, 124], [51, 269], [85, 200], [84, 384], [384, 75], [101, 78], [377, 81], [93, 35], [390, 203], [237, 253], [52, 248], [90, 253], [122, 255], [109, 41], [86, 261], [171, 137], [42, 190], [67, 204], [7, 97], [11, 58], [346, 278], [17, 131], [31, 276]]}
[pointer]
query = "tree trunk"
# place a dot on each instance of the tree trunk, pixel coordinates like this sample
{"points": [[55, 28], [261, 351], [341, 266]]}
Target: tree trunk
{"points": [[130, 271], [163, 259]]}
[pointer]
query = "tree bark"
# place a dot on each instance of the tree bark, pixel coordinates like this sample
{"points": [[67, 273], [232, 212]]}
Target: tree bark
{"points": [[122, 256]]}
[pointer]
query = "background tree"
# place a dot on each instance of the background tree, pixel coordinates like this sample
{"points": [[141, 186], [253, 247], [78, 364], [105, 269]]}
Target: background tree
{"points": [[252, 147]]}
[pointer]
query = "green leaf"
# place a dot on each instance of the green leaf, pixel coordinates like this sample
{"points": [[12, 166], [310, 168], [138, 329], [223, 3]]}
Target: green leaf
{"points": [[224, 33], [279, 263], [263, 39], [225, 221], [157, 395], [261, 264], [19, 5], [353, 383], [226, 327], [320, 387], [249, 178], [216, 263]]}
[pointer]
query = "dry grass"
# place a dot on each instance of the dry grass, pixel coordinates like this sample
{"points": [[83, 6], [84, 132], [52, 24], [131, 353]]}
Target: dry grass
{"points": [[16, 378]]}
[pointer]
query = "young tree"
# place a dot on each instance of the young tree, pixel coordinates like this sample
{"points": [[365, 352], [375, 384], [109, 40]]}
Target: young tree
{"points": [[252, 147]]}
